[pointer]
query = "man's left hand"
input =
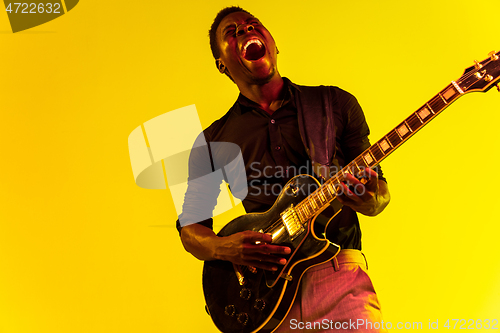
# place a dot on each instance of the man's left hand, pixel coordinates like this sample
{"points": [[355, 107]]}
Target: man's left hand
{"points": [[366, 194]]}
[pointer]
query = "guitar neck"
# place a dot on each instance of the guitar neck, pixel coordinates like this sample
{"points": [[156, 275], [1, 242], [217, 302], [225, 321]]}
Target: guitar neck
{"points": [[480, 77], [372, 156]]}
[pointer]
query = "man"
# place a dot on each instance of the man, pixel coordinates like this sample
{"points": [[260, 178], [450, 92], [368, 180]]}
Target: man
{"points": [[275, 132]]}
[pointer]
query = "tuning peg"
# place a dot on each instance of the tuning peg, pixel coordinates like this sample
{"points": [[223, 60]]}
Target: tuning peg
{"points": [[498, 87], [477, 64], [493, 55]]}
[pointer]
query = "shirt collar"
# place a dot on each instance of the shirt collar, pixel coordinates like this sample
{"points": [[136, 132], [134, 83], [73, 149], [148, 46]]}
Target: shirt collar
{"points": [[247, 104]]}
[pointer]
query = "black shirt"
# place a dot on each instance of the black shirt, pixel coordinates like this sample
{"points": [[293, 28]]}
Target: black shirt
{"points": [[272, 152]]}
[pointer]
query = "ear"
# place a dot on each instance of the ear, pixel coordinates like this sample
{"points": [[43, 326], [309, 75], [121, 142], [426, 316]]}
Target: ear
{"points": [[220, 66]]}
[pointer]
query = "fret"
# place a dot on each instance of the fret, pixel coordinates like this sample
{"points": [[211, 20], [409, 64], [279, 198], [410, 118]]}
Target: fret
{"points": [[369, 158], [312, 203], [337, 177], [437, 104], [308, 209], [406, 123], [389, 141], [336, 187], [331, 189], [350, 168], [317, 201], [393, 138], [300, 213], [360, 162], [322, 196], [302, 209], [416, 113], [355, 164], [444, 100], [424, 112], [431, 110], [402, 130], [326, 193], [377, 152], [297, 211], [386, 145], [413, 122]]}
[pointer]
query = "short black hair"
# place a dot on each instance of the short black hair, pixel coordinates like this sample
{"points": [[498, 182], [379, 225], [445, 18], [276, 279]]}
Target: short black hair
{"points": [[213, 29]]}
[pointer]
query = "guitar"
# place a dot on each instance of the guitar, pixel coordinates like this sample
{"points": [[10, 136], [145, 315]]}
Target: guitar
{"points": [[245, 299]]}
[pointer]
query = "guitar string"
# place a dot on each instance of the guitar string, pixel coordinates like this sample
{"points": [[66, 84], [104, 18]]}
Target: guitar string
{"points": [[468, 75]]}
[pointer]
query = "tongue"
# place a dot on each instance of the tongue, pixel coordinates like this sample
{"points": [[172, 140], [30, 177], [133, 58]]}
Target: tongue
{"points": [[254, 52]]}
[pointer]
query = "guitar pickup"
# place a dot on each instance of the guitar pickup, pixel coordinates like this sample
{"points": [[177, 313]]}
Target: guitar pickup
{"points": [[292, 222]]}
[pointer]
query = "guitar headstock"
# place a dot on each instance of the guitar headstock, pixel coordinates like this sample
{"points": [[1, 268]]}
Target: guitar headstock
{"points": [[482, 76]]}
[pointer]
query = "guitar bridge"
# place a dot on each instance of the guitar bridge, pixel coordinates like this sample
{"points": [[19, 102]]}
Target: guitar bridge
{"points": [[287, 277], [292, 222], [241, 279]]}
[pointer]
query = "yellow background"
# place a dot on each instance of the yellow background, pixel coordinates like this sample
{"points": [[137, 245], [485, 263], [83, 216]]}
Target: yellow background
{"points": [[83, 249]]}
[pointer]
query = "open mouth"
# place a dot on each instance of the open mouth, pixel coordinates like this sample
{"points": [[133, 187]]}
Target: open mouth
{"points": [[253, 50]]}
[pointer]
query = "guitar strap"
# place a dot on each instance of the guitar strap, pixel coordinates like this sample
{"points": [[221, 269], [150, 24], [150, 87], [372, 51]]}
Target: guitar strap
{"points": [[316, 126]]}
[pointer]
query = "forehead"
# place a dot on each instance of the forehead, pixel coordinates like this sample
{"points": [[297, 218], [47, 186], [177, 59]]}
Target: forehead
{"points": [[234, 18]]}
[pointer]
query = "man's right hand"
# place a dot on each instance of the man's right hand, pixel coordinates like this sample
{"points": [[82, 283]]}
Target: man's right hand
{"points": [[247, 248], [251, 248]]}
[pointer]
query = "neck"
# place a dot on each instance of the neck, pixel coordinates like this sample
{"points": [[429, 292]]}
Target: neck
{"points": [[268, 95]]}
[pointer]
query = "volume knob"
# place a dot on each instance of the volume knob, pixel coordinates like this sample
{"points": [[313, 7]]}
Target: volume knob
{"points": [[245, 293], [243, 318], [259, 304], [230, 310]]}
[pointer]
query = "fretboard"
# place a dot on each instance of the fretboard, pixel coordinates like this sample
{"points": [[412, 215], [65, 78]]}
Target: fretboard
{"points": [[372, 156]]}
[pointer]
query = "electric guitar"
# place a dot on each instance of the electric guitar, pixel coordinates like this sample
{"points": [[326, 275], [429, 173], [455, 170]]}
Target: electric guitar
{"points": [[245, 299]]}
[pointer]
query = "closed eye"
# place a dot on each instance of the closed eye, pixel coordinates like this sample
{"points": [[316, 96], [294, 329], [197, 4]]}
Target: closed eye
{"points": [[230, 31]]}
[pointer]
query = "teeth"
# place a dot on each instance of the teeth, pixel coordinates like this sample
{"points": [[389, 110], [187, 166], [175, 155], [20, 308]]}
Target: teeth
{"points": [[251, 41]]}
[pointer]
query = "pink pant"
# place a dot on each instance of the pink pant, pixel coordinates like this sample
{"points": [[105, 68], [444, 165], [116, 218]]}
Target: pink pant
{"points": [[337, 296]]}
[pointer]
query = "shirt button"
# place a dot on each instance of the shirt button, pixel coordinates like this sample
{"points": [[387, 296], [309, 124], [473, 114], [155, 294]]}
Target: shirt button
{"points": [[272, 121], [278, 148]]}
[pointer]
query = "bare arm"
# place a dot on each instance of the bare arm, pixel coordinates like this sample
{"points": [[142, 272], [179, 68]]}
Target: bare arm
{"points": [[239, 248]]}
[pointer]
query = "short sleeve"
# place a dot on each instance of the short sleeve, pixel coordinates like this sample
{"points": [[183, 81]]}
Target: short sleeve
{"points": [[354, 140]]}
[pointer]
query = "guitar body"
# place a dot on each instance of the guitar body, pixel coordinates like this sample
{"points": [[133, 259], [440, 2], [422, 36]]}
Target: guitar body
{"points": [[263, 300]]}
